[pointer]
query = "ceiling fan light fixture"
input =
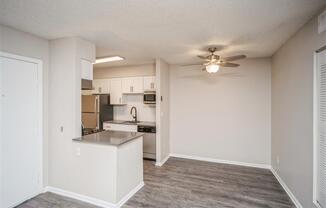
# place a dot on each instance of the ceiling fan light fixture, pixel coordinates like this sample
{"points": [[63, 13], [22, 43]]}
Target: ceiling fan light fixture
{"points": [[212, 68]]}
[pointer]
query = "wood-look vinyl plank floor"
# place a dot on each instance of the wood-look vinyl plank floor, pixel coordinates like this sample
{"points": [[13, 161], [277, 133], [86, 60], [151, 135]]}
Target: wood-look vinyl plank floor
{"points": [[183, 183]]}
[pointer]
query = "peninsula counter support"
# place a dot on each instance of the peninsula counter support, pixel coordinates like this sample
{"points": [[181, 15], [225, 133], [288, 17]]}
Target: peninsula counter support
{"points": [[108, 168]]}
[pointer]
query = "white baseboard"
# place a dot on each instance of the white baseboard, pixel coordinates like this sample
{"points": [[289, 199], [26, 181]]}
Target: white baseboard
{"points": [[130, 194], [287, 189], [206, 159], [163, 161], [92, 200]]}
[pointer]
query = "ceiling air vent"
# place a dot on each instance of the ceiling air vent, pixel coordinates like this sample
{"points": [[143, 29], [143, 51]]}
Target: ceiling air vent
{"points": [[322, 22]]}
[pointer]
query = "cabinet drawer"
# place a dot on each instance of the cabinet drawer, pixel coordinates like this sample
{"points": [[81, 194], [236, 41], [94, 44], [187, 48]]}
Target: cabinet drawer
{"points": [[119, 127]]}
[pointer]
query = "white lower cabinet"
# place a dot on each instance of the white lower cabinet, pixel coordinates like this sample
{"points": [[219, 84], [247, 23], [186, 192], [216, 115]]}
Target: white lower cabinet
{"points": [[119, 127]]}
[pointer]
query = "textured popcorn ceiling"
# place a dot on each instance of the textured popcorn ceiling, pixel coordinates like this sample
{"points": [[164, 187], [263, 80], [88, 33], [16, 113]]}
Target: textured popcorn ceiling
{"points": [[175, 30]]}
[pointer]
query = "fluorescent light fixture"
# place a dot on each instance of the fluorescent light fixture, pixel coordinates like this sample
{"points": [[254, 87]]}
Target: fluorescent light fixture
{"points": [[212, 68], [108, 59]]}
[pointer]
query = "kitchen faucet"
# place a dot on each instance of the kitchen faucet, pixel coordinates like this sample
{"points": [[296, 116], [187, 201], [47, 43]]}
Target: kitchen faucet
{"points": [[133, 108]]}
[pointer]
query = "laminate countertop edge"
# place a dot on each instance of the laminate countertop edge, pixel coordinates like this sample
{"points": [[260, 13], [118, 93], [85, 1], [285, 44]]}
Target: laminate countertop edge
{"points": [[111, 138]]}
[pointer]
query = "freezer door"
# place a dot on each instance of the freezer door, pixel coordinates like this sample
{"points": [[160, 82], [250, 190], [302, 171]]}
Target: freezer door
{"points": [[89, 104], [90, 120]]}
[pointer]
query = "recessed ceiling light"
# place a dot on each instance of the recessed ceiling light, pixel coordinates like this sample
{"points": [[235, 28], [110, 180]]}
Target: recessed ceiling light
{"points": [[108, 59]]}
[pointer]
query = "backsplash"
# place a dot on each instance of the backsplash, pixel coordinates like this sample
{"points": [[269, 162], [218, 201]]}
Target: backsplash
{"points": [[144, 111]]}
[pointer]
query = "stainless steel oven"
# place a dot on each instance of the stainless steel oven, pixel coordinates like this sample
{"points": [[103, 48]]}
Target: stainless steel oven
{"points": [[149, 97]]}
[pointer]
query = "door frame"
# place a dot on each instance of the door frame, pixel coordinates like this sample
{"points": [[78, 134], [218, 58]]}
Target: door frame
{"points": [[316, 124], [40, 133]]}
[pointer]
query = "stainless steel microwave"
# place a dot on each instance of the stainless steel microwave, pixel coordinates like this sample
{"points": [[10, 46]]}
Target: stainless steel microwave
{"points": [[149, 97]]}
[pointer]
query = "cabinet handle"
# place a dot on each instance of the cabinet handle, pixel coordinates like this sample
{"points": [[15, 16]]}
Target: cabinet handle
{"points": [[100, 89], [131, 89], [120, 100], [152, 85]]}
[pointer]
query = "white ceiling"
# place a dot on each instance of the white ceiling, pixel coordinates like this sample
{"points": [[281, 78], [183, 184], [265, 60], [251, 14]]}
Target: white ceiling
{"points": [[175, 30]]}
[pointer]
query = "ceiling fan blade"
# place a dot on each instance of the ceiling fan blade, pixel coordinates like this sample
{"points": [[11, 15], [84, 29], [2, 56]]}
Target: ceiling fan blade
{"points": [[191, 65], [228, 65], [233, 58], [203, 57]]}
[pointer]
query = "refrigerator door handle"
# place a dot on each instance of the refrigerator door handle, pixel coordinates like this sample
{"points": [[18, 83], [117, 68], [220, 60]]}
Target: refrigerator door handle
{"points": [[97, 112]]}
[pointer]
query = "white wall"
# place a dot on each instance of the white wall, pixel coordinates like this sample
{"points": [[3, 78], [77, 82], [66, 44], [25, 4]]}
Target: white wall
{"points": [[223, 116], [292, 111], [162, 110], [124, 71], [25, 44], [64, 107]]}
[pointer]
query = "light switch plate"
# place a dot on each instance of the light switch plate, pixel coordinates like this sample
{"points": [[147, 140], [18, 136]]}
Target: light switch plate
{"points": [[78, 151]]}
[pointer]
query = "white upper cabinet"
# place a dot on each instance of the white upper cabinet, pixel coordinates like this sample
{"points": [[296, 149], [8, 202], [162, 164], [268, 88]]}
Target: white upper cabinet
{"points": [[133, 85], [101, 86], [86, 69], [116, 91], [149, 83]]}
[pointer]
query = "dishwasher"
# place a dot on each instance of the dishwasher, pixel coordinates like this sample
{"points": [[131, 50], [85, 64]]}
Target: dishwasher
{"points": [[149, 141]]}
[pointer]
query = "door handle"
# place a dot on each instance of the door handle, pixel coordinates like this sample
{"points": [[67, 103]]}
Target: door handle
{"points": [[96, 112]]}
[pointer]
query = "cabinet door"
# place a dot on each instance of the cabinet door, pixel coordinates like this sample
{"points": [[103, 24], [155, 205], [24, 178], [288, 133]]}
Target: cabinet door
{"points": [[149, 83], [116, 91], [101, 86], [96, 86], [105, 86], [86, 69], [138, 85], [132, 85], [127, 87]]}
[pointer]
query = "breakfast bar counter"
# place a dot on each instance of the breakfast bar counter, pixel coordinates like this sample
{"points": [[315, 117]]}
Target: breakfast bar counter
{"points": [[108, 166]]}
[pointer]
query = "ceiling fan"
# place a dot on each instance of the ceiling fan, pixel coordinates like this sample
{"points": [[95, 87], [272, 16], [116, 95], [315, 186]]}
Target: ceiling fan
{"points": [[213, 62]]}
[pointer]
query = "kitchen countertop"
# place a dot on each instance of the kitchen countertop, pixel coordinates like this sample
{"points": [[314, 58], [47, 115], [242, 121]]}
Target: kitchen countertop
{"points": [[143, 123], [113, 138]]}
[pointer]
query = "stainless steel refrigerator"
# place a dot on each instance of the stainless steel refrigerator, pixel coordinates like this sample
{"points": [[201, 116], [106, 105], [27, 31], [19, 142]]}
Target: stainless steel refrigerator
{"points": [[95, 110]]}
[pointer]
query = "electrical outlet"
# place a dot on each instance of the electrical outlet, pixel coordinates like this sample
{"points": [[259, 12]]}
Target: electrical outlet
{"points": [[78, 151]]}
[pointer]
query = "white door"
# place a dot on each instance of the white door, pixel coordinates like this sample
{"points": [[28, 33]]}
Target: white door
{"points": [[21, 140], [321, 133]]}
